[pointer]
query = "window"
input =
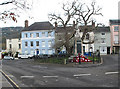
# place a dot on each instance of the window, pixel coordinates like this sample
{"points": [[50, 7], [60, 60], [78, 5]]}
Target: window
{"points": [[43, 51], [19, 46], [9, 40], [32, 52], [31, 43], [26, 52], [26, 44], [116, 39], [37, 43], [31, 35], [102, 40], [43, 43], [116, 28], [102, 33], [49, 51], [49, 34], [19, 40], [43, 34], [10, 46], [49, 43], [26, 35], [37, 34], [103, 49]]}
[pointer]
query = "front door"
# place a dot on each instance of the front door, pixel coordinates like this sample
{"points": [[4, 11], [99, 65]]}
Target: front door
{"points": [[108, 50], [37, 51]]}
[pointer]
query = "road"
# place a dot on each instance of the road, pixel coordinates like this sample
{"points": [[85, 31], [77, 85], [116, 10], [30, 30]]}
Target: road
{"points": [[26, 73]]}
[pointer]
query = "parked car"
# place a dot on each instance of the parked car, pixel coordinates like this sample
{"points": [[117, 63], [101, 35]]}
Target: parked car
{"points": [[8, 58], [41, 56], [20, 56]]}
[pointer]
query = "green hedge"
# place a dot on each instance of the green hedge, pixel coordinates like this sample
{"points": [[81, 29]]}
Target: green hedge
{"points": [[52, 60]]}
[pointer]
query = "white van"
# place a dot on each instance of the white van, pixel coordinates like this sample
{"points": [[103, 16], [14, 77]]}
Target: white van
{"points": [[20, 56]]}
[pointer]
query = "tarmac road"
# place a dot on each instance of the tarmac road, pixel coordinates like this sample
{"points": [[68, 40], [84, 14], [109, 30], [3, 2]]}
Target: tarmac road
{"points": [[26, 73]]}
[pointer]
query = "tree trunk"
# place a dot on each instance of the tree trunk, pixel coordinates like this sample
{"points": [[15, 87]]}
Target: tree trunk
{"points": [[82, 48], [75, 47]]}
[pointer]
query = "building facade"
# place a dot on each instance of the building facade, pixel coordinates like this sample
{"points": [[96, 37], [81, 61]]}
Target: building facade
{"points": [[115, 35], [13, 45], [38, 38], [102, 40]]}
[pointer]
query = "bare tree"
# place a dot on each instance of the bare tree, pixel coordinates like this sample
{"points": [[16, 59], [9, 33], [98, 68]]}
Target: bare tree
{"points": [[68, 15], [84, 16], [80, 14], [14, 6]]}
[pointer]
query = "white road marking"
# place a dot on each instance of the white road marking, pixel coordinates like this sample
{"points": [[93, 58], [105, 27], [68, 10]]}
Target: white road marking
{"points": [[50, 76], [111, 72], [81, 75], [27, 77]]}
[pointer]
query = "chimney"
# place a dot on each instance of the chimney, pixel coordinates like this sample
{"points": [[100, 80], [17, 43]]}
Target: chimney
{"points": [[93, 23], [73, 23], [26, 23], [56, 25]]}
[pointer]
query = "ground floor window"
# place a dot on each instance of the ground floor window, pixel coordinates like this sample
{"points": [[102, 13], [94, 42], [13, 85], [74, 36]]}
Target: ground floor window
{"points": [[43, 51], [32, 52], [26, 52], [103, 49], [50, 51]]}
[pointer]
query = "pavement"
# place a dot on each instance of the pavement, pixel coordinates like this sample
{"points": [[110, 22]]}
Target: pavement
{"points": [[3, 81]]}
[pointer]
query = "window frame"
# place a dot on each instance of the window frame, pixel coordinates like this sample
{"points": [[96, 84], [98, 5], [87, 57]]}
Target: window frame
{"points": [[116, 30]]}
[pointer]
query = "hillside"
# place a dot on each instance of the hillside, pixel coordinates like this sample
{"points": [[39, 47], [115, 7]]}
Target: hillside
{"points": [[9, 33]]}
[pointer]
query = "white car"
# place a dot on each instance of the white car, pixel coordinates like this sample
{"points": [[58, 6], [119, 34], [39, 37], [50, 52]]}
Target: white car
{"points": [[8, 58], [20, 56]]}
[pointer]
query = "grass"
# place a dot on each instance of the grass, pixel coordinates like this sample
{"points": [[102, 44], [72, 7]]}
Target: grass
{"points": [[55, 60], [91, 58]]}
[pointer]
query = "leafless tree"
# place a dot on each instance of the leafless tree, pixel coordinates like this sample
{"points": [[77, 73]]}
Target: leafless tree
{"points": [[80, 14], [68, 15], [14, 6]]}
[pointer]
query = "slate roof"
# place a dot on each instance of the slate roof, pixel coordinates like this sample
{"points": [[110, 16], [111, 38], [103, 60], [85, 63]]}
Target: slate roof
{"points": [[115, 22], [39, 26], [102, 29], [61, 29]]}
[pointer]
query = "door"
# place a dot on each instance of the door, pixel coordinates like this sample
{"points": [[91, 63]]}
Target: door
{"points": [[37, 51], [108, 50]]}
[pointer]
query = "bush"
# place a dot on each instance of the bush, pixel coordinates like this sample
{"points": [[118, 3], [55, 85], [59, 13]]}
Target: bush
{"points": [[53, 59]]}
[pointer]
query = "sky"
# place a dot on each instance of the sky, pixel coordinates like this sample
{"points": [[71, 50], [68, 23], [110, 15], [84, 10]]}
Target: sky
{"points": [[41, 9]]}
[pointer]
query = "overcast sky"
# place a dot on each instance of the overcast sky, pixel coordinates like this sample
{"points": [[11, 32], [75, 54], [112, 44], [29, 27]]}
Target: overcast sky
{"points": [[41, 9]]}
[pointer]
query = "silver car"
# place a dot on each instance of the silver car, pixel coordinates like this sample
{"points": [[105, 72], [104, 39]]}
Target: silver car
{"points": [[8, 58]]}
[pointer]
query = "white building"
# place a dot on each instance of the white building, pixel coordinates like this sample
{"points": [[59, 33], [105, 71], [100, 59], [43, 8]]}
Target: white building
{"points": [[13, 45], [102, 40]]}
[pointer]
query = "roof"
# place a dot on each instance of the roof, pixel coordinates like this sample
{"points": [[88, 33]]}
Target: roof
{"points": [[102, 29], [39, 26], [62, 30], [115, 22]]}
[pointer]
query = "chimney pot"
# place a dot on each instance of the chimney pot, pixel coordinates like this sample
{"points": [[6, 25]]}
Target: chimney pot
{"points": [[56, 24], [93, 23], [73, 23], [26, 23]]}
